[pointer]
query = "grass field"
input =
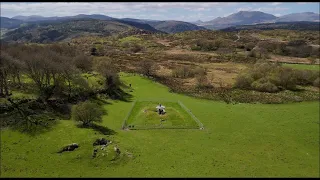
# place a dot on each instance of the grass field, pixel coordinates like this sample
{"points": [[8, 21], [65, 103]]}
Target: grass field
{"points": [[315, 67], [145, 116], [241, 140]]}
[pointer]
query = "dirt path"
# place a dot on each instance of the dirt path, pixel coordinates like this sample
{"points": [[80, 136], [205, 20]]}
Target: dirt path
{"points": [[185, 51], [287, 59], [163, 42], [238, 35]]}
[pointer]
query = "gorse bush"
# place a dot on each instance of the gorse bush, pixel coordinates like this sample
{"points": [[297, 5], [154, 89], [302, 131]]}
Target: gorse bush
{"points": [[182, 72], [272, 77], [316, 82], [188, 72], [244, 81], [306, 77], [264, 85], [202, 82]]}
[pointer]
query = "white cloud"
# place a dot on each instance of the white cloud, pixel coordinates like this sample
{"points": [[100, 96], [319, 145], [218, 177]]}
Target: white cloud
{"points": [[244, 9], [275, 4], [272, 9], [107, 8]]}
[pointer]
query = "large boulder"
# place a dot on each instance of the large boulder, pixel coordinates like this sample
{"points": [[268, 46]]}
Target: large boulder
{"points": [[69, 147], [101, 141]]}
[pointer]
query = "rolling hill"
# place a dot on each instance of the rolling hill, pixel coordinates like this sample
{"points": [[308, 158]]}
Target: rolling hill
{"points": [[301, 25], [10, 23], [175, 26], [239, 18], [56, 31], [164, 26], [306, 16], [256, 17]]}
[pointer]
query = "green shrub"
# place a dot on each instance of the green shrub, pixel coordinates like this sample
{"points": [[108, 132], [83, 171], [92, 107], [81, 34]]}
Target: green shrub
{"points": [[87, 112], [284, 78], [182, 72], [316, 82], [244, 81], [202, 81], [200, 71], [305, 77], [264, 85]]}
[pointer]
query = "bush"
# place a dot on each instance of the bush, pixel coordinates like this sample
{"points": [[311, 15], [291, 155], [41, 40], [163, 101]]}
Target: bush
{"points": [[83, 62], [249, 46], [202, 81], [136, 48], [305, 77], [316, 82], [200, 71], [187, 72], [182, 72], [297, 43], [264, 85], [148, 67], [284, 77], [87, 112], [244, 81]]}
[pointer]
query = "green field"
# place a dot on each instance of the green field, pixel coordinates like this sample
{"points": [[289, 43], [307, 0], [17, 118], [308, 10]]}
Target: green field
{"points": [[144, 116], [240, 140], [315, 67]]}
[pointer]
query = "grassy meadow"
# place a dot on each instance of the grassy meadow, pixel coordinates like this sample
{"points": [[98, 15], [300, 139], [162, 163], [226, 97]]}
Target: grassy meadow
{"points": [[315, 67], [238, 140], [145, 116]]}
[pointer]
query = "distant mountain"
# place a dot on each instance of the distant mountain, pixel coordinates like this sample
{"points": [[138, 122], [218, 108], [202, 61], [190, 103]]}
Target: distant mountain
{"points": [[138, 24], [9, 23], [79, 16], [62, 30], [164, 26], [139, 20], [300, 25], [175, 26], [306, 16], [31, 18], [198, 22], [239, 18]]}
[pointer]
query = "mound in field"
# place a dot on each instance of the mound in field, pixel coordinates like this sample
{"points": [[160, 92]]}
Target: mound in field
{"points": [[144, 115]]}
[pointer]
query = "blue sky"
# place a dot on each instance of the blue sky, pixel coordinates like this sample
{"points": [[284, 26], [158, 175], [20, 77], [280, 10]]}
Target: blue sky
{"points": [[183, 11]]}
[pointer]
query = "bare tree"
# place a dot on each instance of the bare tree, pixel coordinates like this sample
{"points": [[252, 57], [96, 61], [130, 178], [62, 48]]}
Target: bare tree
{"points": [[148, 67]]}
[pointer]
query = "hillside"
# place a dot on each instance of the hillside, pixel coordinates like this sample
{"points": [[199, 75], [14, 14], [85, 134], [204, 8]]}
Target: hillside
{"points": [[240, 18], [175, 26], [307, 16], [301, 26], [9, 23], [34, 18], [49, 32]]}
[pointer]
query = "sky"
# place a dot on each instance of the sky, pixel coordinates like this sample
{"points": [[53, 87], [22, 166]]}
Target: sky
{"points": [[183, 11]]}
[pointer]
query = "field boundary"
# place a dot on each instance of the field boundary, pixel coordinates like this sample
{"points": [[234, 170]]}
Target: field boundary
{"points": [[128, 115], [124, 124], [191, 114], [155, 100]]}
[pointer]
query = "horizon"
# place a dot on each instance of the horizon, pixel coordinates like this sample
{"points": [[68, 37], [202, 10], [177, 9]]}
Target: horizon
{"points": [[188, 12]]}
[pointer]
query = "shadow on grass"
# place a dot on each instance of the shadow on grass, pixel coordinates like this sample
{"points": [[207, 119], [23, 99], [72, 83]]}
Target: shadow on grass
{"points": [[33, 126], [120, 94], [101, 129]]}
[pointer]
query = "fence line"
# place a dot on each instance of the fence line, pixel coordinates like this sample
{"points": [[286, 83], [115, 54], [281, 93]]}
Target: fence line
{"points": [[155, 100], [191, 114], [124, 125], [126, 118]]}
